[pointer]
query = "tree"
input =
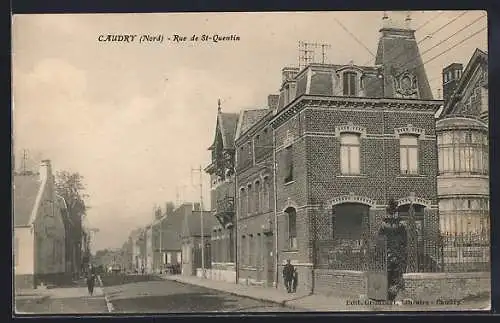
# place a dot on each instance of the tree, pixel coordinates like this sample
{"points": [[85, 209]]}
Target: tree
{"points": [[70, 186]]}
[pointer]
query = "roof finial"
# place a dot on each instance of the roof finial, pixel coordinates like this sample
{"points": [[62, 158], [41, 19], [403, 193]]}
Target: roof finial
{"points": [[408, 19], [218, 105]]}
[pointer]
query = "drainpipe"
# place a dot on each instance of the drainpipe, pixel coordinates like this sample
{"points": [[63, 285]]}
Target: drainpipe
{"points": [[275, 210], [236, 229]]}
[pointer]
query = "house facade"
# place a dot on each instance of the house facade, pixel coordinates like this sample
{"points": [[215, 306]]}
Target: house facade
{"points": [[255, 196], [195, 237], [39, 232], [463, 181], [346, 139], [222, 197], [167, 237]]}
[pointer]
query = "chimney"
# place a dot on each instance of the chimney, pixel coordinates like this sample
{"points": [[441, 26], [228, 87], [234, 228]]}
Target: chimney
{"points": [[288, 73], [169, 208], [196, 206], [272, 101], [451, 76]]}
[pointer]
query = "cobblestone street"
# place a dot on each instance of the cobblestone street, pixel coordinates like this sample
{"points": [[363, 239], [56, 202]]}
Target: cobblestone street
{"points": [[164, 296]]}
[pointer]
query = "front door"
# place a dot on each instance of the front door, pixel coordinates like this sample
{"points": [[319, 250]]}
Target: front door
{"points": [[269, 258], [377, 271]]}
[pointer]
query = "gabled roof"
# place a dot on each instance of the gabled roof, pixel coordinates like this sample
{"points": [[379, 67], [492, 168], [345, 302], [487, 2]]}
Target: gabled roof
{"points": [[477, 57], [192, 224], [25, 191], [226, 124], [248, 118]]}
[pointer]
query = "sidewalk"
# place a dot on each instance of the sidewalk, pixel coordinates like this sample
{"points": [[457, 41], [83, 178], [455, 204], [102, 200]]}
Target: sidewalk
{"points": [[307, 302], [75, 300]]}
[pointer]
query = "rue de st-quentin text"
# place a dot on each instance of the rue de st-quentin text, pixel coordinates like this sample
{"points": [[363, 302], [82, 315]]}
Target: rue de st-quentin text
{"points": [[160, 38]]}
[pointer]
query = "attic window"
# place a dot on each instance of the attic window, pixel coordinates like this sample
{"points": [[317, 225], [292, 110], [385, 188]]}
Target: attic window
{"points": [[265, 131], [349, 82]]}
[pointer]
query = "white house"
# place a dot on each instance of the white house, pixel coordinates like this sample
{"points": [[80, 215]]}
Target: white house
{"points": [[39, 235]]}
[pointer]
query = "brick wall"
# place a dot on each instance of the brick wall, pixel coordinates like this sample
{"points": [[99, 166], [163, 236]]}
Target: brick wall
{"points": [[339, 282], [446, 286]]}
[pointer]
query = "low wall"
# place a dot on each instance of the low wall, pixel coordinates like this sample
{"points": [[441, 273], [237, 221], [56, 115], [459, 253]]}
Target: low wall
{"points": [[340, 282], [446, 286], [24, 282], [418, 286], [55, 279]]}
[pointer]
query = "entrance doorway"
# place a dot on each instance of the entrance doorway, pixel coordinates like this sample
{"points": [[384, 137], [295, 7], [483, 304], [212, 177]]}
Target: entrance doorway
{"points": [[269, 258]]}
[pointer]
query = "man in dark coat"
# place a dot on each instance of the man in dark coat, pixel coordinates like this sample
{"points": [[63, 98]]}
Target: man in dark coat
{"points": [[91, 277], [288, 270], [396, 249]]}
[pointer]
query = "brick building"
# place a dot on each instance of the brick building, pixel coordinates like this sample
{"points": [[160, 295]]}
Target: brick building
{"points": [[255, 196], [463, 181], [347, 138]]}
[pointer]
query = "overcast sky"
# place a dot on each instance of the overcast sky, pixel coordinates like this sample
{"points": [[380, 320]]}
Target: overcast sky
{"points": [[134, 118]]}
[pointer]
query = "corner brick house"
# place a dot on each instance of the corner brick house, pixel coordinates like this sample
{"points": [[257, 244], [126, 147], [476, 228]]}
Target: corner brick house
{"points": [[348, 138], [222, 197], [463, 181]]}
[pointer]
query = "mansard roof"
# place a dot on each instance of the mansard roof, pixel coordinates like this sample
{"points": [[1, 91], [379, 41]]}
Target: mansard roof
{"points": [[477, 58]]}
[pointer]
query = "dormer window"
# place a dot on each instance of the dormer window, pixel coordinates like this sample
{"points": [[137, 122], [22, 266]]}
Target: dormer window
{"points": [[349, 82]]}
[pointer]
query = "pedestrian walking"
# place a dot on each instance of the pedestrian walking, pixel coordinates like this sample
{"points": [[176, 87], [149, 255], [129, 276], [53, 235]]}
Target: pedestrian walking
{"points": [[295, 280], [91, 277], [288, 270]]}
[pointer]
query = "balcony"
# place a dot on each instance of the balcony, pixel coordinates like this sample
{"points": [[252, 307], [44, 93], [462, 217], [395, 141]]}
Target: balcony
{"points": [[224, 211]]}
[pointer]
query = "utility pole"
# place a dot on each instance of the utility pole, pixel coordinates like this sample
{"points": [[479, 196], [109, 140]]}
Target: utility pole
{"points": [[25, 158], [307, 54], [201, 218]]}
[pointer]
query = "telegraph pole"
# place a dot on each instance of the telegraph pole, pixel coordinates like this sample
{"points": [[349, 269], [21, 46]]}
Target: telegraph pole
{"points": [[201, 218], [306, 53]]}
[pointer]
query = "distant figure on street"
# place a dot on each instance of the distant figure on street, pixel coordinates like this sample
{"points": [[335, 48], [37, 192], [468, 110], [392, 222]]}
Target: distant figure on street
{"points": [[142, 269], [288, 271], [295, 280], [91, 280]]}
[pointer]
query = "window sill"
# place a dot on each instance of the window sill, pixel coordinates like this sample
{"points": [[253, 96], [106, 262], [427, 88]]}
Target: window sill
{"points": [[290, 250], [353, 175], [410, 175], [289, 183]]}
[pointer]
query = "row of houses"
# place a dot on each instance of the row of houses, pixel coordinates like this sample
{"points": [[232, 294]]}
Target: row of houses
{"points": [[307, 178], [50, 244], [171, 242]]}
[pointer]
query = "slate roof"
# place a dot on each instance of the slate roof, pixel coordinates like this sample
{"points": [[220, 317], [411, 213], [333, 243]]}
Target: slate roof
{"points": [[192, 224], [476, 58], [248, 118], [25, 191], [228, 124], [398, 51]]}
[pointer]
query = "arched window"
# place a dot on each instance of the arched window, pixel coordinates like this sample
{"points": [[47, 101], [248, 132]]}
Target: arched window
{"points": [[350, 153], [347, 221], [249, 200], [243, 202], [257, 193], [266, 195], [292, 228]]}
